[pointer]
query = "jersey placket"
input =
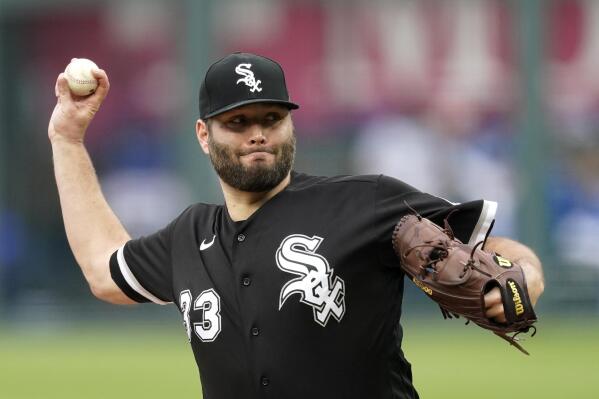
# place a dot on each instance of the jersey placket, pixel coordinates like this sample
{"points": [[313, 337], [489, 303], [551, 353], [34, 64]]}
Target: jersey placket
{"points": [[243, 248]]}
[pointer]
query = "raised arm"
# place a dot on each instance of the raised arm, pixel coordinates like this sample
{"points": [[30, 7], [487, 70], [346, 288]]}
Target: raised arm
{"points": [[93, 230]]}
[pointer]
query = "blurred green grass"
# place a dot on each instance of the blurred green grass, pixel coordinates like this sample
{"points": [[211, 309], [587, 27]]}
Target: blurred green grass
{"points": [[449, 360]]}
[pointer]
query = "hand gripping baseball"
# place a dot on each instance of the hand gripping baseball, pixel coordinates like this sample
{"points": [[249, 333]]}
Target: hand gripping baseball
{"points": [[73, 114], [457, 276]]}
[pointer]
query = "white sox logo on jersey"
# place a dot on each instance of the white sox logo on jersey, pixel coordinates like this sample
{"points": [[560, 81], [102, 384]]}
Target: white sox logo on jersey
{"points": [[248, 77], [315, 284]]}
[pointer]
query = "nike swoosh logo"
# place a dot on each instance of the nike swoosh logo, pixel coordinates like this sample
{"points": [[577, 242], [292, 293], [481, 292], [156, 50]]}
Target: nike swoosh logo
{"points": [[205, 245]]}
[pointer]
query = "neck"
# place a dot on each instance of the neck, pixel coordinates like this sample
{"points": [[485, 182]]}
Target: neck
{"points": [[242, 204]]}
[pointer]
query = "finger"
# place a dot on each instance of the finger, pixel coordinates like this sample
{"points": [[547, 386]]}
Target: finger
{"points": [[495, 311], [62, 87], [103, 82], [493, 298]]}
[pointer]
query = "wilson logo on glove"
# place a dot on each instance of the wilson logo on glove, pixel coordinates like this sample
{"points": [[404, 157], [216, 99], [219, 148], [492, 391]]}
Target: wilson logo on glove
{"points": [[503, 262], [422, 286], [518, 306]]}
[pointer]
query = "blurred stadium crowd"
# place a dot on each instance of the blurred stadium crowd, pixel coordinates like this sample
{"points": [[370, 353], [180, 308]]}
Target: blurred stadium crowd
{"points": [[426, 91]]}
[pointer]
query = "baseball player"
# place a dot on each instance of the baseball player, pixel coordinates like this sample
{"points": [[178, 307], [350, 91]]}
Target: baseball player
{"points": [[291, 288]]}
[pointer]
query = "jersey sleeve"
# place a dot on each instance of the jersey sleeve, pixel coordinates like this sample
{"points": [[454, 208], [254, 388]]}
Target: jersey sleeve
{"points": [[142, 268], [470, 221]]}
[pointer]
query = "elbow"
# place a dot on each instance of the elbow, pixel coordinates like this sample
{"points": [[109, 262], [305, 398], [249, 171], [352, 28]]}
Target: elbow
{"points": [[110, 293], [99, 290], [103, 287], [96, 274]]}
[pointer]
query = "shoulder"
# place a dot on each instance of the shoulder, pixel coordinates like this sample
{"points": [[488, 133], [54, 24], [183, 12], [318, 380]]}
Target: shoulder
{"points": [[382, 185], [197, 213], [302, 181], [391, 185]]}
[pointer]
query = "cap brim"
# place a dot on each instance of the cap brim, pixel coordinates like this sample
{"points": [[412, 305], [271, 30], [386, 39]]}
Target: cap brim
{"points": [[229, 107]]}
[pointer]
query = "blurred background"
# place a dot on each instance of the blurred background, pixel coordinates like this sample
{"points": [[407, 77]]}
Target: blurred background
{"points": [[464, 99]]}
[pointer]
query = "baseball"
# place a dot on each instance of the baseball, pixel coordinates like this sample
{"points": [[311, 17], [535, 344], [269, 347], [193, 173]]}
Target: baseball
{"points": [[80, 78]]}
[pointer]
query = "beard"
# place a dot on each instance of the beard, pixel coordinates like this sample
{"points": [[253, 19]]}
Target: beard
{"points": [[255, 178]]}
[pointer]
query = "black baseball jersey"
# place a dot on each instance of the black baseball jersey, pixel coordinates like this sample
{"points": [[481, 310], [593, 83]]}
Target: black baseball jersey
{"points": [[302, 299]]}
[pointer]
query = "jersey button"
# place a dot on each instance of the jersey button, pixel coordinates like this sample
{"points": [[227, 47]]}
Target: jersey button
{"points": [[265, 381], [255, 331], [240, 237], [246, 281]]}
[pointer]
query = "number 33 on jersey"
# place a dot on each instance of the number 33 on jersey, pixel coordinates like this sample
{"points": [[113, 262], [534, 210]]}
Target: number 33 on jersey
{"points": [[208, 302]]}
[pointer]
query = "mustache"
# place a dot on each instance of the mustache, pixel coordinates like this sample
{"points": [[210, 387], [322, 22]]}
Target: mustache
{"points": [[269, 150]]}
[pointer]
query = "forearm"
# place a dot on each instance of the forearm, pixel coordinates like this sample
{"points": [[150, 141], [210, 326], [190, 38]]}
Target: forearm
{"points": [[92, 228], [523, 256]]}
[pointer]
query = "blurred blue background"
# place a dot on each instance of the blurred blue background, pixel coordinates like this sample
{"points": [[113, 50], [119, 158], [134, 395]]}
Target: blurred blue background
{"points": [[464, 99]]}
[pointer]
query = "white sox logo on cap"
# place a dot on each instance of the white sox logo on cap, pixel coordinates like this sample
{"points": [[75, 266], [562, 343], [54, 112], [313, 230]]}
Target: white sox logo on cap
{"points": [[248, 77]]}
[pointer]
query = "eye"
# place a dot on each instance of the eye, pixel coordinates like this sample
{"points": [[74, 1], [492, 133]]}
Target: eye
{"points": [[236, 122], [272, 118]]}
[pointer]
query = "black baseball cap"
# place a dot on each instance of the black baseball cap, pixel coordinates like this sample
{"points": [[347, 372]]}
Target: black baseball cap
{"points": [[239, 79]]}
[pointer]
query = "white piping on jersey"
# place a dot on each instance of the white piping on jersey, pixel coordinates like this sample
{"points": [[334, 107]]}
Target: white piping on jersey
{"points": [[132, 281], [484, 222]]}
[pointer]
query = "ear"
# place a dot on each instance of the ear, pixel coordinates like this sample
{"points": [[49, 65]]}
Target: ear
{"points": [[202, 135]]}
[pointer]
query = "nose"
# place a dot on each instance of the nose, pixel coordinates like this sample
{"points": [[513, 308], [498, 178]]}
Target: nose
{"points": [[257, 135]]}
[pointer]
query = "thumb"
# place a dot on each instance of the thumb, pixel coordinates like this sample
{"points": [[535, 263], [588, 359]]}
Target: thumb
{"points": [[62, 87]]}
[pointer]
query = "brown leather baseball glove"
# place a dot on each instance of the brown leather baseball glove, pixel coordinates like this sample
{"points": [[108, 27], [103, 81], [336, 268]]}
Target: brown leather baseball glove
{"points": [[457, 276]]}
